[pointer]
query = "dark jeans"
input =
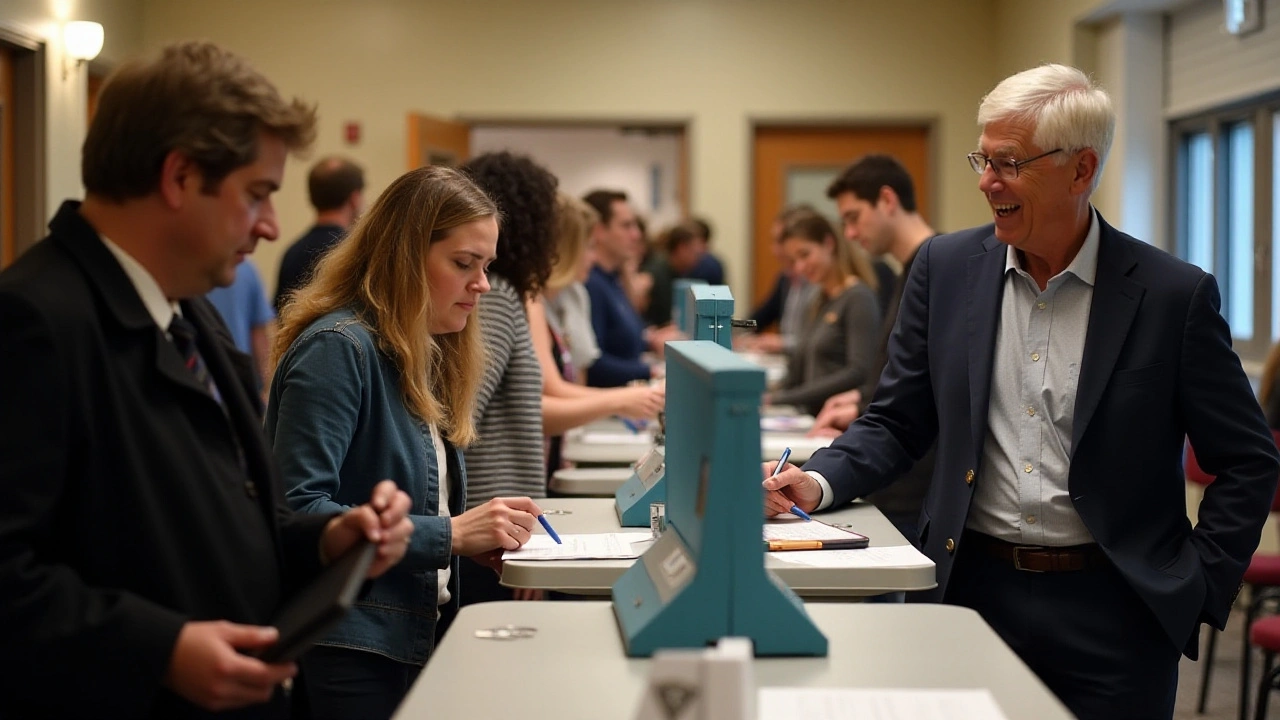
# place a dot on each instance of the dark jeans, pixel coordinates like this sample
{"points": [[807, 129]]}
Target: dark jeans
{"points": [[1086, 634], [344, 684], [477, 584]]}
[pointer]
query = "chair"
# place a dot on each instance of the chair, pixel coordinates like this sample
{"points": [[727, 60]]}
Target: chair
{"points": [[1265, 634], [1263, 579]]}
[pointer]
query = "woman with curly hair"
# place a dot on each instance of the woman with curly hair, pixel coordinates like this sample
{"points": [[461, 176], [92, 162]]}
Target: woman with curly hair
{"points": [[378, 363], [508, 457]]}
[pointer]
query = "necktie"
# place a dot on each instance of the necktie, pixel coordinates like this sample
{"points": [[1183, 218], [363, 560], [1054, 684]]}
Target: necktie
{"points": [[184, 338]]}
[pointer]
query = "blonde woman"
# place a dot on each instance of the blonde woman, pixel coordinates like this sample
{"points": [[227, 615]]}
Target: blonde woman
{"points": [[836, 346], [378, 364], [566, 404]]}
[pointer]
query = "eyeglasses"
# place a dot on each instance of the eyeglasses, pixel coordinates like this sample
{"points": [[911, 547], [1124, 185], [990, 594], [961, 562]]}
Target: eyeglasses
{"points": [[1005, 168]]}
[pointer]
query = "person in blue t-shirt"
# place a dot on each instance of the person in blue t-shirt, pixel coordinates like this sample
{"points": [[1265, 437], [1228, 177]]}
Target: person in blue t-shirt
{"points": [[244, 308]]}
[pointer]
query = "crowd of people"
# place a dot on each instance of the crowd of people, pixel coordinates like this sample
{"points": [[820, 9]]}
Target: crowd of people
{"points": [[1013, 397]]}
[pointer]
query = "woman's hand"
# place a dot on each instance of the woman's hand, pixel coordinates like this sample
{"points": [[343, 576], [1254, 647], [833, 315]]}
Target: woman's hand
{"points": [[505, 523]]}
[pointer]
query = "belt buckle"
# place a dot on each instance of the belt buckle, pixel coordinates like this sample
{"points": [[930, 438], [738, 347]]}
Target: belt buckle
{"points": [[1017, 559]]}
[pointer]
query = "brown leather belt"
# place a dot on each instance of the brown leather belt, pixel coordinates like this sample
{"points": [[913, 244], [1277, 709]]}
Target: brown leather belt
{"points": [[1033, 558]]}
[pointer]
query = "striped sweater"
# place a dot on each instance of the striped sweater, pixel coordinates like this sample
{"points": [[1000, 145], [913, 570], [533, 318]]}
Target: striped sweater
{"points": [[507, 460]]}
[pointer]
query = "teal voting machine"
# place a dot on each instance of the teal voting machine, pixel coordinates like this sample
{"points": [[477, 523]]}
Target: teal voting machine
{"points": [[704, 578], [680, 300], [710, 317]]}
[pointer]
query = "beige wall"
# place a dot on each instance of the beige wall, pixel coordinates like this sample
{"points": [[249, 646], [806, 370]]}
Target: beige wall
{"points": [[66, 99], [718, 63]]}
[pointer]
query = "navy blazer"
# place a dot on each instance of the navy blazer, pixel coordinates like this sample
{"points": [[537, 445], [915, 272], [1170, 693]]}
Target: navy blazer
{"points": [[1157, 367]]}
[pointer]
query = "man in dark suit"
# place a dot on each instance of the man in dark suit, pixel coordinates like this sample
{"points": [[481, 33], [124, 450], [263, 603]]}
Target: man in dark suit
{"points": [[144, 541], [335, 187], [1060, 364]]}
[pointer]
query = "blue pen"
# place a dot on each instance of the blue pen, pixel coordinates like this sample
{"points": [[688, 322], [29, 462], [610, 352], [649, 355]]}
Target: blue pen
{"points": [[547, 526], [632, 425], [782, 462]]}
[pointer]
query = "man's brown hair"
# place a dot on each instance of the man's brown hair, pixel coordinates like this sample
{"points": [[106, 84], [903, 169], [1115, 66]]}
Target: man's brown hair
{"points": [[195, 98]]}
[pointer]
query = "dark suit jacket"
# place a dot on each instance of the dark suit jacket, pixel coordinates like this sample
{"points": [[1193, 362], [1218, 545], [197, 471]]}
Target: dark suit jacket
{"points": [[1157, 366], [770, 311], [299, 261], [130, 502]]}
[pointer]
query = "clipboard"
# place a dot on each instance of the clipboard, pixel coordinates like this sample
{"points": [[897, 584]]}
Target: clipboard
{"points": [[311, 613], [788, 534]]}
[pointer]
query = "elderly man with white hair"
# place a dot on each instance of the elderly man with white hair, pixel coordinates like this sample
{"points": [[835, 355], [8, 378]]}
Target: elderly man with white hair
{"points": [[1059, 364]]}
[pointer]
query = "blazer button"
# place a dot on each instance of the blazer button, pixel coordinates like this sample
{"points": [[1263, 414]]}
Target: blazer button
{"points": [[951, 545], [250, 489], [968, 477]]}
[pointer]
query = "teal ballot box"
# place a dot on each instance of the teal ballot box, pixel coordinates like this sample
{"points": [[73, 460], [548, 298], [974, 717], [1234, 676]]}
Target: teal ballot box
{"points": [[710, 309], [644, 487], [710, 313], [704, 578], [680, 300]]}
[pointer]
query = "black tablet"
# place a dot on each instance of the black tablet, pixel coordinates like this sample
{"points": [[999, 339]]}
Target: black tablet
{"points": [[312, 612]]}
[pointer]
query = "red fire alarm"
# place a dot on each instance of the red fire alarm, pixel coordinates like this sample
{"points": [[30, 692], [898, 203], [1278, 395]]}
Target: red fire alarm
{"points": [[351, 131]]}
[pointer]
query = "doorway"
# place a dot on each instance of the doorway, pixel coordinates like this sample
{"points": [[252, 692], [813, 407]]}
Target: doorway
{"points": [[6, 156], [648, 161], [796, 163]]}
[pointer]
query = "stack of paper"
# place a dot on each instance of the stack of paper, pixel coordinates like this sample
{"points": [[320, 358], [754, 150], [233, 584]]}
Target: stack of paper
{"points": [[591, 546], [793, 528], [894, 556], [615, 438], [786, 423]]}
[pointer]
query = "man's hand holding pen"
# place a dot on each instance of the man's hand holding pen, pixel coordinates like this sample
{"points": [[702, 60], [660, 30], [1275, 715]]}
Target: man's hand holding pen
{"points": [[791, 486]]}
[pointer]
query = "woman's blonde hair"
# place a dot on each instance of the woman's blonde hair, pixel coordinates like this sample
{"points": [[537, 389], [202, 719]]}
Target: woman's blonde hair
{"points": [[850, 260], [380, 272], [574, 220]]}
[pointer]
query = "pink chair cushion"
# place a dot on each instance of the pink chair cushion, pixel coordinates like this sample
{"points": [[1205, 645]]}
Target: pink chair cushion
{"points": [[1264, 569], [1265, 633]]}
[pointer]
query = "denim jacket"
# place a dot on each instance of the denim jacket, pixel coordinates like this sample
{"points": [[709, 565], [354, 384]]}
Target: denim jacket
{"points": [[338, 425]]}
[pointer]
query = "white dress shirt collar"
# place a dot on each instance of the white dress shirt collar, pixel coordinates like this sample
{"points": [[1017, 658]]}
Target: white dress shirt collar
{"points": [[160, 308], [1084, 265]]}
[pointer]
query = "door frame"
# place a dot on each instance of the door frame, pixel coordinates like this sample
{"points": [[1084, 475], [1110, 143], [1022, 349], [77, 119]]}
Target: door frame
{"points": [[29, 131], [931, 124], [680, 123]]}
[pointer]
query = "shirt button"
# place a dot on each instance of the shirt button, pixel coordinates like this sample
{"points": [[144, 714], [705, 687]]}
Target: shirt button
{"points": [[1031, 411], [1026, 468], [968, 477], [1031, 519], [1040, 305], [951, 545], [1035, 357], [250, 489]]}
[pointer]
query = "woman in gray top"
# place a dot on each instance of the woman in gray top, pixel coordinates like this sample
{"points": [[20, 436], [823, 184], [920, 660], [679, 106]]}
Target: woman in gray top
{"points": [[836, 345]]}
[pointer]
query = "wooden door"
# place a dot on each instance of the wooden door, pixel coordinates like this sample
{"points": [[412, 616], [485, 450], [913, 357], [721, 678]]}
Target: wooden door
{"points": [[7, 189], [802, 160], [436, 141]]}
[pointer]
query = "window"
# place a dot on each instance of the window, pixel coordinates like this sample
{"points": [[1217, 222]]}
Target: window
{"points": [[1227, 162]]}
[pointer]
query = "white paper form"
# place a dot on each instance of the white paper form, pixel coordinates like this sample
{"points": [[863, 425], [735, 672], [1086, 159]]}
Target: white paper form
{"points": [[894, 556], [615, 438], [786, 423], [861, 704], [790, 527], [587, 546]]}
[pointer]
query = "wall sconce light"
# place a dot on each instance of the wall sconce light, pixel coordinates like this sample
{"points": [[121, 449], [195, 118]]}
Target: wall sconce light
{"points": [[81, 41]]}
